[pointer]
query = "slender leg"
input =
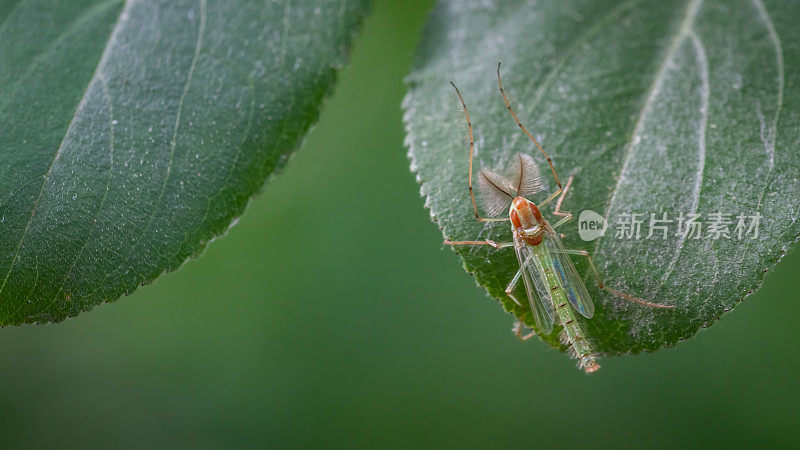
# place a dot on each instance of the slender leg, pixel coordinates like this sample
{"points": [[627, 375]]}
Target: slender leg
{"points": [[486, 242], [551, 197], [518, 326], [619, 294], [517, 329], [566, 215], [512, 285], [515, 280], [508, 105], [471, 152], [498, 245]]}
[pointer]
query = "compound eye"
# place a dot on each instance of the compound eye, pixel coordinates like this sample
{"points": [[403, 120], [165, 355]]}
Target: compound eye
{"points": [[514, 218]]}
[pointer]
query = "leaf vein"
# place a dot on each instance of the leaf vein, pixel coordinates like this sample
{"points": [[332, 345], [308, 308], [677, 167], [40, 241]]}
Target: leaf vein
{"points": [[602, 24], [45, 176], [702, 61], [173, 141], [34, 63], [680, 35], [89, 235]]}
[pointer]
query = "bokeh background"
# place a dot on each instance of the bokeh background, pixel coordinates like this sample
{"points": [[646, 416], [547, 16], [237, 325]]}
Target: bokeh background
{"points": [[332, 317]]}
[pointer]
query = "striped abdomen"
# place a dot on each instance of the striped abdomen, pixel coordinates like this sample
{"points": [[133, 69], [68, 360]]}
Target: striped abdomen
{"points": [[578, 344]]}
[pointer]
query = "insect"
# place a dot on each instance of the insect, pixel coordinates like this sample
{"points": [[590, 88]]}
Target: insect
{"points": [[554, 289]]}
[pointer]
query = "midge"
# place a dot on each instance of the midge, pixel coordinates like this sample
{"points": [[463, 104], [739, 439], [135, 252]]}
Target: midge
{"points": [[544, 263]]}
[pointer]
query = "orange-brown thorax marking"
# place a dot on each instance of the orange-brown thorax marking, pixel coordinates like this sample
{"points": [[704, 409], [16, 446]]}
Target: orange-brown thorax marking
{"points": [[524, 215]]}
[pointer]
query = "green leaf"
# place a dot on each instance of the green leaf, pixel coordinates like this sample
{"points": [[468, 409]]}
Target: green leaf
{"points": [[655, 107], [133, 133]]}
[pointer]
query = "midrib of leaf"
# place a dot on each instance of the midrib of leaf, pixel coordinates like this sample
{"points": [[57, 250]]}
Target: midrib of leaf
{"points": [[78, 108], [102, 202], [34, 64], [173, 144], [174, 140], [702, 61], [684, 31]]}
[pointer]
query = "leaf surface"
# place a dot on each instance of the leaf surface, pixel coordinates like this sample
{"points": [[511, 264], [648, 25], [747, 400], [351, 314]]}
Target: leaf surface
{"points": [[133, 133]]}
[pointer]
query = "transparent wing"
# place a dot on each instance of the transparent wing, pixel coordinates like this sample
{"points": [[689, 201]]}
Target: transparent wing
{"points": [[533, 276], [573, 284]]}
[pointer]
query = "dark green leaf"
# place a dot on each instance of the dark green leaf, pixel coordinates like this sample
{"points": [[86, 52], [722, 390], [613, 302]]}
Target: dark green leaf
{"points": [[655, 107], [133, 133]]}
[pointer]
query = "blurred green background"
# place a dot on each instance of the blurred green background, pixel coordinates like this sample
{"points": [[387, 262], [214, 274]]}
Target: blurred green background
{"points": [[331, 317]]}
